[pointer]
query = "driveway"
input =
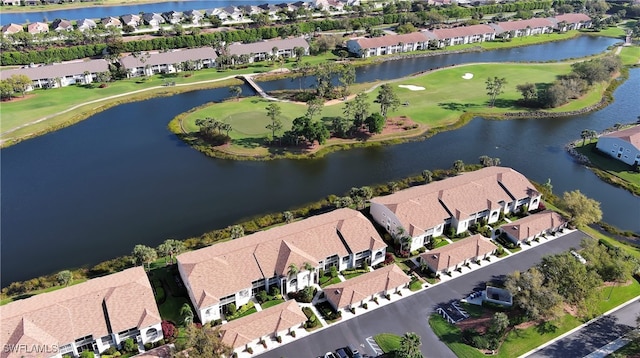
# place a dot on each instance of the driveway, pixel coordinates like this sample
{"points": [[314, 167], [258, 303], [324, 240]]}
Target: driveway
{"points": [[411, 313]]}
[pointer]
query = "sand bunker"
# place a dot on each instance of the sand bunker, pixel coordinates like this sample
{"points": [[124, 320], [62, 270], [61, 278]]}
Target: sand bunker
{"points": [[467, 76], [412, 87]]}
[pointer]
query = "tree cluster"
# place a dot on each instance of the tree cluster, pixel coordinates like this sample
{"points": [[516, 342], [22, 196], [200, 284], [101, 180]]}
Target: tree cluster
{"points": [[12, 85], [562, 279], [572, 85], [211, 130]]}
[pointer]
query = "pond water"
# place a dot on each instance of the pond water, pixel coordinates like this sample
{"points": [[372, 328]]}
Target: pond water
{"points": [[92, 191]]}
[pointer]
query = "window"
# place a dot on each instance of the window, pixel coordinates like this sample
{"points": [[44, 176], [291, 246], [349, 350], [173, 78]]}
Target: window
{"points": [[151, 334], [345, 259]]}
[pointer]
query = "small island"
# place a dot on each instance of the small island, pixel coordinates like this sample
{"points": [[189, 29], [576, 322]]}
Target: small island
{"points": [[330, 116]]}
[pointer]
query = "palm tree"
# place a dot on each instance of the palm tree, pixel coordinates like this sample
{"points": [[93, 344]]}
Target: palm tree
{"points": [[288, 216], [458, 166], [309, 267], [186, 314], [237, 231], [293, 270], [584, 135], [427, 175], [410, 346], [235, 91]]}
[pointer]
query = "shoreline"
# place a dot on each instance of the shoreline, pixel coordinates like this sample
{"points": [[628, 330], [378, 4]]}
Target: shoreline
{"points": [[176, 126], [4, 143], [78, 5]]}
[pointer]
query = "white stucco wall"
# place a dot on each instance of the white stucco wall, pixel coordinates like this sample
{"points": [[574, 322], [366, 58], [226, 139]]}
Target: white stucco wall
{"points": [[619, 149]]}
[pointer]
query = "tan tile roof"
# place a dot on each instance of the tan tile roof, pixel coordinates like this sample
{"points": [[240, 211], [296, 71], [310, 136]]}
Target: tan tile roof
{"points": [[631, 135], [37, 27], [357, 289], [170, 57], [12, 28], [267, 46], [61, 316], [523, 24], [463, 31], [58, 70], [239, 332], [164, 351], [422, 207], [225, 268], [457, 252], [573, 18], [391, 40], [533, 224]]}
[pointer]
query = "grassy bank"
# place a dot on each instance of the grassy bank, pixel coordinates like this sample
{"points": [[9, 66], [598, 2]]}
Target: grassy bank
{"points": [[447, 99], [609, 169], [45, 105]]}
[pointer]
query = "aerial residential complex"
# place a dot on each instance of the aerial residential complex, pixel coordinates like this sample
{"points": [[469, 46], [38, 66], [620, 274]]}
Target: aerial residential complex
{"points": [[438, 38], [103, 312], [90, 316], [427, 211], [623, 145], [234, 271]]}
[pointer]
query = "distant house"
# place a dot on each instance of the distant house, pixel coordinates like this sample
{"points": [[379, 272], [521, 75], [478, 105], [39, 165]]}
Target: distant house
{"points": [[153, 19], [149, 63], [450, 257], [11, 29], [132, 20], [568, 22], [246, 332], [270, 10], [354, 292], [38, 27], [453, 204], [91, 316], [111, 22], [86, 24], [194, 16], [335, 5], [60, 75], [62, 25], [232, 272], [11, 2], [260, 50], [173, 17], [462, 35], [386, 45], [519, 28], [532, 226], [231, 13], [623, 145], [249, 10]]}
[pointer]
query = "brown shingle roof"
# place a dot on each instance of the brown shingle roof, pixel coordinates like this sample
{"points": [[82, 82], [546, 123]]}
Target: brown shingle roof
{"points": [[226, 268], [391, 40], [533, 224], [122, 301], [631, 135], [463, 31], [239, 332], [573, 18], [422, 207], [267, 46], [58, 70], [456, 253], [170, 57], [357, 289]]}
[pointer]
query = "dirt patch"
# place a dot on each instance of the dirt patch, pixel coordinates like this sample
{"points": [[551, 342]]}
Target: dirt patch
{"points": [[570, 309], [398, 124], [609, 283], [18, 99], [528, 324], [479, 324]]}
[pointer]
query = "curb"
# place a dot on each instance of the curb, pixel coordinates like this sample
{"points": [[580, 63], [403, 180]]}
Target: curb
{"points": [[578, 328]]}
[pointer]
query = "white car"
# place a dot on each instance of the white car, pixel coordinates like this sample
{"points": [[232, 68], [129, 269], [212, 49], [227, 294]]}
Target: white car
{"points": [[579, 257]]}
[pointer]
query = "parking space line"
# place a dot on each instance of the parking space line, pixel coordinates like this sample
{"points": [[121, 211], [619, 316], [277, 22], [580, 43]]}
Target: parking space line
{"points": [[372, 343]]}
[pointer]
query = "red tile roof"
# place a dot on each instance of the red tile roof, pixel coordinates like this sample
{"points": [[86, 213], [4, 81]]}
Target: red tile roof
{"points": [[453, 254], [359, 288], [463, 31], [226, 268], [112, 303], [533, 224], [631, 135], [573, 18], [523, 24], [391, 40]]}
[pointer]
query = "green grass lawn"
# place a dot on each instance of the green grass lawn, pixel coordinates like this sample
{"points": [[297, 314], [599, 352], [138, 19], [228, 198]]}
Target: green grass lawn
{"points": [[37, 292], [635, 252], [441, 244], [271, 303], [630, 55], [351, 274], [445, 98], [327, 280], [388, 342], [452, 337], [415, 285]]}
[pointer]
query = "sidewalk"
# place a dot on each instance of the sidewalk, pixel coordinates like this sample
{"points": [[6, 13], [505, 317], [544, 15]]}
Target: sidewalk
{"points": [[372, 306]]}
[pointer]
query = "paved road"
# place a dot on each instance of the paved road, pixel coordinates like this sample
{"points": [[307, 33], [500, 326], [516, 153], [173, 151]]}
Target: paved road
{"points": [[411, 314], [595, 335]]}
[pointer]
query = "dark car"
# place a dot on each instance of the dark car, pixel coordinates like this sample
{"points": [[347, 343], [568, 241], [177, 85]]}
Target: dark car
{"points": [[342, 353], [351, 352]]}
